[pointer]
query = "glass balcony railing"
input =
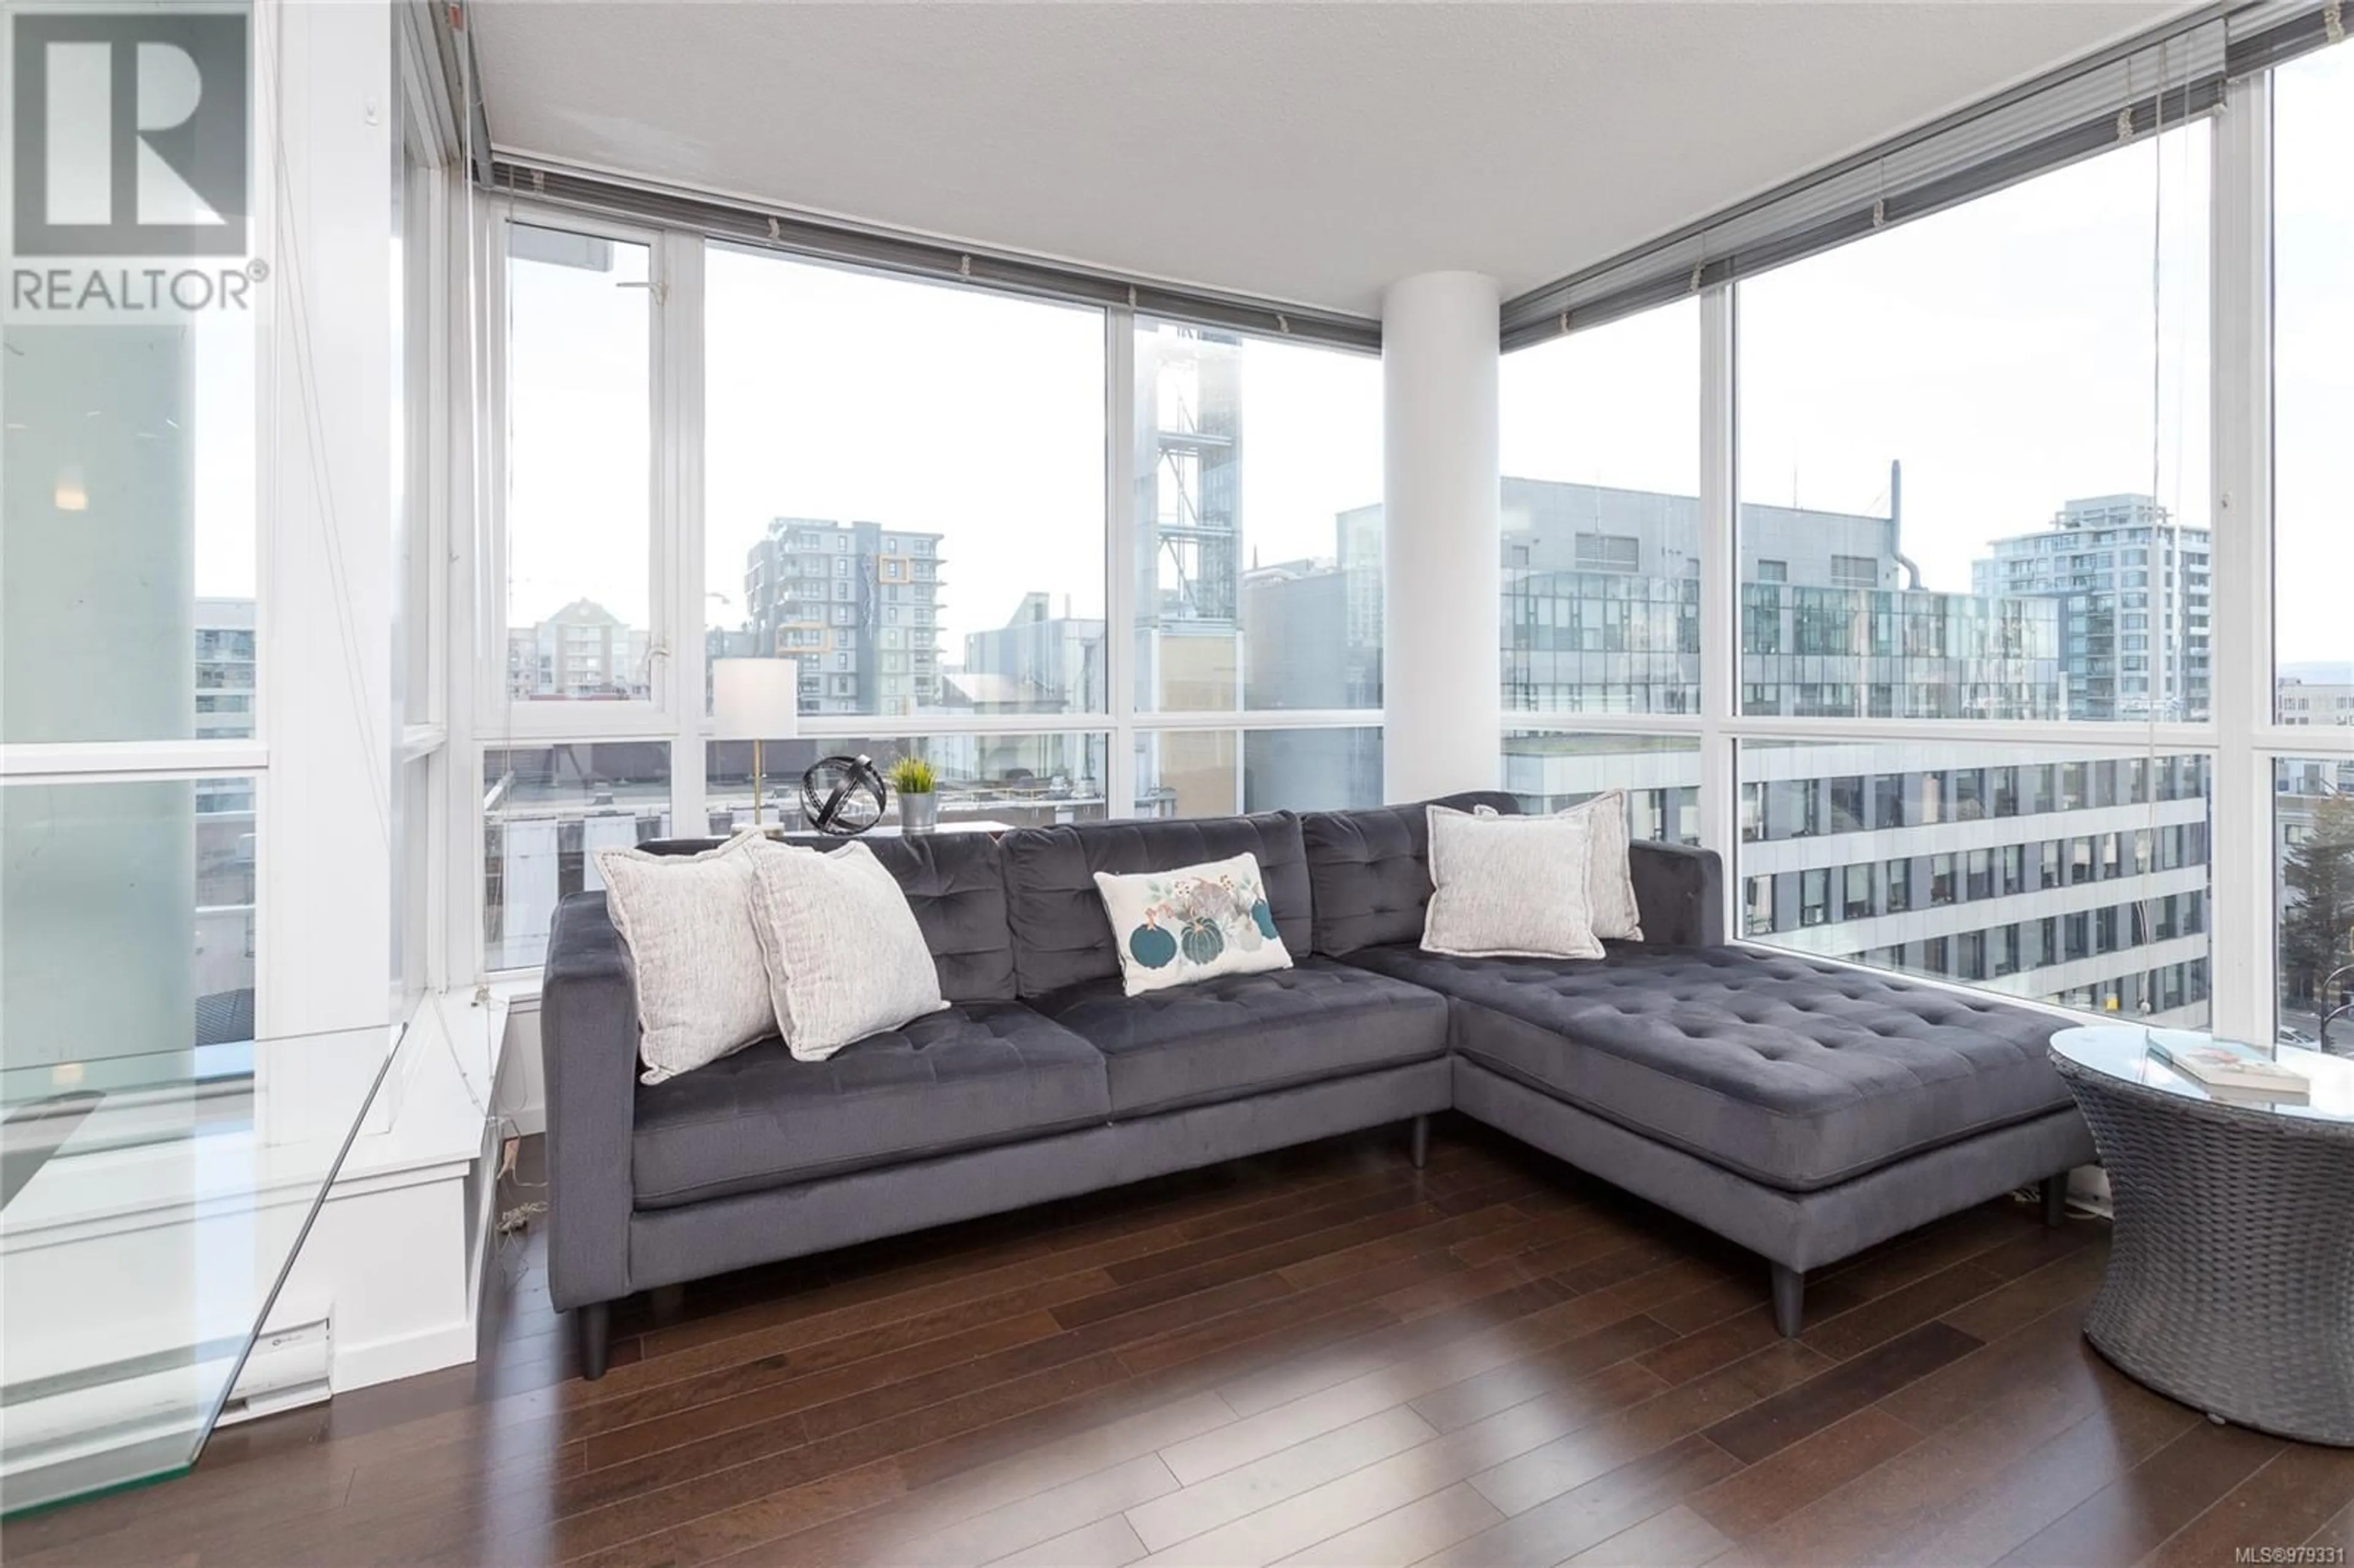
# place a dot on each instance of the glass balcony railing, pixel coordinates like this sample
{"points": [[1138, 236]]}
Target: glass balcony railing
{"points": [[151, 1208]]}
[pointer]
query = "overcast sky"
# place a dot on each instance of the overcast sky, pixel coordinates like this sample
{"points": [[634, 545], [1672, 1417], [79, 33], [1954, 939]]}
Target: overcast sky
{"points": [[2003, 352]]}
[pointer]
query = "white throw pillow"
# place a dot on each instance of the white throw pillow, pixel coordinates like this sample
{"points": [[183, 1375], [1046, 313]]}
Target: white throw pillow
{"points": [[1609, 876], [1173, 928], [702, 988], [1508, 886], [845, 958]]}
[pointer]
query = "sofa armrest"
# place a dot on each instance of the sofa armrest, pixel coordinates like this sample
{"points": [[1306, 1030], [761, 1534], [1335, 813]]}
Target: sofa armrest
{"points": [[1679, 892], [589, 1054]]}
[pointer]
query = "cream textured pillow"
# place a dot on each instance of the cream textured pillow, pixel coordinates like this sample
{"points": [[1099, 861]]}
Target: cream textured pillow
{"points": [[1508, 886], [702, 988], [845, 958], [1609, 876], [1173, 928]]}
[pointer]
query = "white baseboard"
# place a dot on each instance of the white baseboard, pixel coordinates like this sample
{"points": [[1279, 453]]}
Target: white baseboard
{"points": [[401, 1355], [521, 1095]]}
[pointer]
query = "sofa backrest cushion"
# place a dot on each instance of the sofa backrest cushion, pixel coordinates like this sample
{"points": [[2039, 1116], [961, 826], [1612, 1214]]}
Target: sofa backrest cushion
{"points": [[1681, 891], [1061, 936], [1370, 870], [956, 885]]}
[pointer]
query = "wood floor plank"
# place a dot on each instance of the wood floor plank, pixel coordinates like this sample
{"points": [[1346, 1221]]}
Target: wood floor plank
{"points": [[2040, 1484], [2336, 1538], [1677, 1537], [1298, 1226], [2067, 1280], [1775, 1423], [1459, 1225], [1743, 1504], [2133, 1515], [1245, 1488], [1034, 1520], [1908, 1308], [1266, 1387], [1531, 1376], [1534, 1230], [1567, 1462], [2294, 1494], [1588, 1514], [1403, 1535], [1382, 1489], [1107, 1543], [1039, 1467], [772, 1400]]}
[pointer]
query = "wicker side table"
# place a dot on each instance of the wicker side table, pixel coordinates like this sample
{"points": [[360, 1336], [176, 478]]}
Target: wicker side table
{"points": [[2231, 1275]]}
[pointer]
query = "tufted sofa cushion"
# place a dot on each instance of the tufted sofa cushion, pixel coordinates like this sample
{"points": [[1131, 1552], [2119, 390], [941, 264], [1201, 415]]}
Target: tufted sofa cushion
{"points": [[1371, 870], [954, 884], [1061, 935], [1237, 1035], [1794, 1072], [974, 1074]]}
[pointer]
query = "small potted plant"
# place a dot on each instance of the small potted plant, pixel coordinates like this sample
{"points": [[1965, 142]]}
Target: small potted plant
{"points": [[914, 782]]}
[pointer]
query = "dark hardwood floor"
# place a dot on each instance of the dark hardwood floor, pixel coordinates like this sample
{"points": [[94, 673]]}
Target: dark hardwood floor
{"points": [[1321, 1356]]}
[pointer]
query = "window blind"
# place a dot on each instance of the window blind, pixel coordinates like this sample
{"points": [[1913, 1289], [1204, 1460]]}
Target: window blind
{"points": [[2125, 94], [921, 257]]}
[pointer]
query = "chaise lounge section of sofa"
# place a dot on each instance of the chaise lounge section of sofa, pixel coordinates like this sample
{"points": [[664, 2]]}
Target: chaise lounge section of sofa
{"points": [[1803, 1109]]}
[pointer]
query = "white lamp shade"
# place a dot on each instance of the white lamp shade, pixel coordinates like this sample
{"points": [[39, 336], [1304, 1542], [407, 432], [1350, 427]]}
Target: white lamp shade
{"points": [[756, 699]]}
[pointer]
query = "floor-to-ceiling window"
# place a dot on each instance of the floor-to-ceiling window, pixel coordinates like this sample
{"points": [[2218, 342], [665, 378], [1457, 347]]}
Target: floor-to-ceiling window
{"points": [[576, 681], [1084, 562], [904, 493], [1599, 445], [1988, 674], [1974, 490]]}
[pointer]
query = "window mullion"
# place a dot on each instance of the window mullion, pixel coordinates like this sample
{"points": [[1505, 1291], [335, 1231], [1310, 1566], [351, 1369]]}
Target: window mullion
{"points": [[1120, 559], [2244, 928], [678, 521], [1719, 567]]}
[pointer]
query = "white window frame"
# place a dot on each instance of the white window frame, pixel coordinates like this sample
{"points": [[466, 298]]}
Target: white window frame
{"points": [[648, 719], [427, 139]]}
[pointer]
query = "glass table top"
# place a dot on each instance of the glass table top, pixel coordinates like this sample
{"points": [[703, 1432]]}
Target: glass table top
{"points": [[2122, 1051], [151, 1206]]}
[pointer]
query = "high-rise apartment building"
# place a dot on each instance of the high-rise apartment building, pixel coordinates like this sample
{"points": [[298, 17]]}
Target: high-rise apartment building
{"points": [[858, 604], [2133, 588], [582, 652]]}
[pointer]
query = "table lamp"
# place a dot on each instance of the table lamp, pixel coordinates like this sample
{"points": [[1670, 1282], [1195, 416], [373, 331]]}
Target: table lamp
{"points": [[755, 700]]}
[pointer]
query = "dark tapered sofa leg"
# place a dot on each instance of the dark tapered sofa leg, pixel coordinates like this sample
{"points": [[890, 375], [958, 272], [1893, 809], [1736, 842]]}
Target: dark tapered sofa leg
{"points": [[596, 1327], [1789, 1301], [2054, 1193], [1421, 1140]]}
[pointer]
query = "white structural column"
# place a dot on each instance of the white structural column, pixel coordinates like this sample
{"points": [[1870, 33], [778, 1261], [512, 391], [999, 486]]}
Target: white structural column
{"points": [[1442, 714]]}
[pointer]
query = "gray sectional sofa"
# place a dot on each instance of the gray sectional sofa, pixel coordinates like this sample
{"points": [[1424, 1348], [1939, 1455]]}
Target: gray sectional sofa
{"points": [[1802, 1109]]}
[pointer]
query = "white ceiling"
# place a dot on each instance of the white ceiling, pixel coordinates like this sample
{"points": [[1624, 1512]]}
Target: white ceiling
{"points": [[1308, 153]]}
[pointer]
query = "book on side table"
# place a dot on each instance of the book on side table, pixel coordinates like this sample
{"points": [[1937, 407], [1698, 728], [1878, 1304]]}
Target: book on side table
{"points": [[2234, 1070]]}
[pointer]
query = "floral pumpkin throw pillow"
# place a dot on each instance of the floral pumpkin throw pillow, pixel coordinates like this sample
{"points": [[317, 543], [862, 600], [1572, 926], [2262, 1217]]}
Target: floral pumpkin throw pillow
{"points": [[1173, 928]]}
